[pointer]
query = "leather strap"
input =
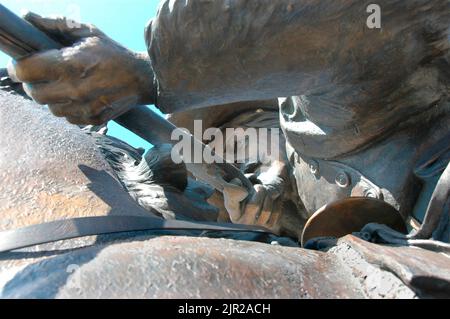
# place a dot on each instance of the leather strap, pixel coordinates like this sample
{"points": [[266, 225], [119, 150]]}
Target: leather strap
{"points": [[89, 226]]}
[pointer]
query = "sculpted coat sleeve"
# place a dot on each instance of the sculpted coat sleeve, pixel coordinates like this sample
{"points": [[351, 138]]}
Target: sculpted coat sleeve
{"points": [[221, 51]]}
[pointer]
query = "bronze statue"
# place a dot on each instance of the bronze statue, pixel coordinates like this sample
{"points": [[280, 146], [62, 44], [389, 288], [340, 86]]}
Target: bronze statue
{"points": [[364, 114]]}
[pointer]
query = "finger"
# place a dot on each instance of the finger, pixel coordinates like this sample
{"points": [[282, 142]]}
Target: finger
{"points": [[95, 112], [274, 191], [254, 206], [64, 30], [39, 67], [233, 196], [49, 93], [240, 192], [266, 211], [273, 222], [78, 110], [11, 71], [76, 120], [101, 119], [81, 121], [60, 109], [217, 200]]}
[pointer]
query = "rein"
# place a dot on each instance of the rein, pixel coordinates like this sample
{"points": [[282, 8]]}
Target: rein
{"points": [[89, 226]]}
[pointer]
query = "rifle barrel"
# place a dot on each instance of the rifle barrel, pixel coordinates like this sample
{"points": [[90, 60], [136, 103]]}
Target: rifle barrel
{"points": [[18, 38]]}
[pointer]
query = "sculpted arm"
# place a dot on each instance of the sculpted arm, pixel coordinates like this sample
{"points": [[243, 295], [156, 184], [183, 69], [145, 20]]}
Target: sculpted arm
{"points": [[216, 52]]}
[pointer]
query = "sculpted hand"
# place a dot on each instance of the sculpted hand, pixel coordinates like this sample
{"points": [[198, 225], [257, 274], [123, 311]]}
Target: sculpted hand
{"points": [[262, 208], [269, 205], [91, 80]]}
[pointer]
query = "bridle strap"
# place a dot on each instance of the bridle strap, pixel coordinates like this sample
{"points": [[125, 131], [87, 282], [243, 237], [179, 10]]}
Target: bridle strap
{"points": [[90, 226]]}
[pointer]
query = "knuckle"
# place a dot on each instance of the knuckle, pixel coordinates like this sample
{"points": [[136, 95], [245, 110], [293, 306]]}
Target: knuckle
{"points": [[19, 72], [79, 109], [94, 110], [82, 110], [57, 110], [38, 98], [33, 93], [86, 110], [74, 120], [75, 93]]}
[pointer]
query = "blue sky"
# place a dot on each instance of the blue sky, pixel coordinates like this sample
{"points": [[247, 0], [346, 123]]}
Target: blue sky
{"points": [[122, 20]]}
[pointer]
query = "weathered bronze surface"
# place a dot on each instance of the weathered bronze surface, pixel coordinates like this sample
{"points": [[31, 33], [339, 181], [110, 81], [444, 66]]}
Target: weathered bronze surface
{"points": [[365, 113], [424, 271], [180, 267]]}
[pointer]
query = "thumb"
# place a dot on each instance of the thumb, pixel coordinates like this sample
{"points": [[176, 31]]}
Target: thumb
{"points": [[11, 72], [62, 29], [233, 196]]}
